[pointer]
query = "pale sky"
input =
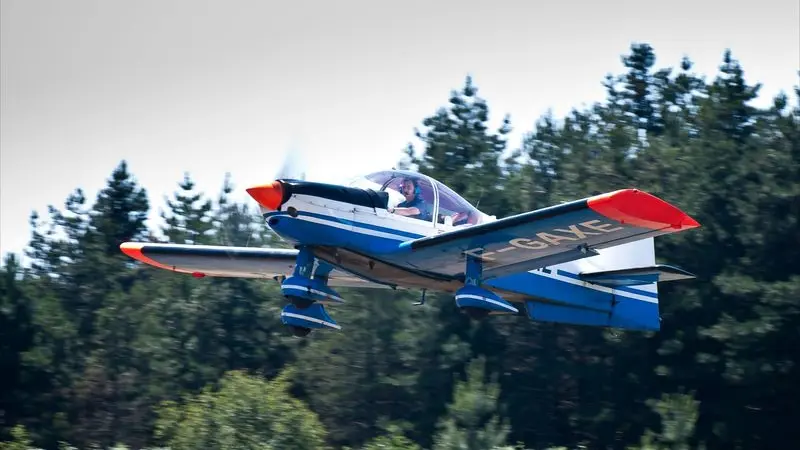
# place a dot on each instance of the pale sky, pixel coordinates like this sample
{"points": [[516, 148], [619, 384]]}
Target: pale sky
{"points": [[211, 87]]}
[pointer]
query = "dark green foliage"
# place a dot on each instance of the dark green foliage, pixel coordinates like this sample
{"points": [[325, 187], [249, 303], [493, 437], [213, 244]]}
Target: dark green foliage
{"points": [[461, 151], [245, 412], [16, 337], [98, 349], [474, 419], [189, 219], [119, 213]]}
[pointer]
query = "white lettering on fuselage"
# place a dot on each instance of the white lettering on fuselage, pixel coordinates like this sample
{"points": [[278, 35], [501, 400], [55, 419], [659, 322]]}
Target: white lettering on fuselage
{"points": [[554, 237]]}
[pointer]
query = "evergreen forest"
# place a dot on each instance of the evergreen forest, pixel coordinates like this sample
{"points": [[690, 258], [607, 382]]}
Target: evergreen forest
{"points": [[99, 351]]}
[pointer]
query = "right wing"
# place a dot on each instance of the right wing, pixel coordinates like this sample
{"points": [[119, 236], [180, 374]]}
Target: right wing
{"points": [[240, 262], [545, 237]]}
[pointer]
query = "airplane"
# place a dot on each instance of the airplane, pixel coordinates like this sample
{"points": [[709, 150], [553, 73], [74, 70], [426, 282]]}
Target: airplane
{"points": [[585, 262]]}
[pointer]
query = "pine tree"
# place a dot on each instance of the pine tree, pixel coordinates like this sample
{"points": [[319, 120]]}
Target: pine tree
{"points": [[461, 152], [120, 212], [544, 154], [358, 378], [95, 289], [16, 337], [245, 411], [678, 413], [189, 219], [474, 419]]}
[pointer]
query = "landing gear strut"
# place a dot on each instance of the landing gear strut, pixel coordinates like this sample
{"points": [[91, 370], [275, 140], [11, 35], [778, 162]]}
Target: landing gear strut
{"points": [[306, 293], [477, 302]]}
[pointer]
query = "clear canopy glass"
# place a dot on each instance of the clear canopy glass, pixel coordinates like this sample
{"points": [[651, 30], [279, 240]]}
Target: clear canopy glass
{"points": [[440, 202]]}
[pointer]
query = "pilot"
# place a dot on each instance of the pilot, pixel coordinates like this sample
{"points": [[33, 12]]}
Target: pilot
{"points": [[414, 205]]}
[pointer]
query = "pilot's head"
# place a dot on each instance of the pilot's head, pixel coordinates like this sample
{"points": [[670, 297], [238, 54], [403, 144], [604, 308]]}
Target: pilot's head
{"points": [[409, 189]]}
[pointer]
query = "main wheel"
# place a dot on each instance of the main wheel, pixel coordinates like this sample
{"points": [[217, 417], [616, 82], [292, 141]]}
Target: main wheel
{"points": [[300, 331], [475, 313], [299, 302]]}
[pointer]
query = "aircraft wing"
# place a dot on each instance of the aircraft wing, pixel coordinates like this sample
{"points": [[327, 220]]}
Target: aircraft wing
{"points": [[548, 236], [224, 261]]}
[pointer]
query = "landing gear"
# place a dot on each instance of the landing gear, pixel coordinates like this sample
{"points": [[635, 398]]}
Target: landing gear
{"points": [[475, 313], [306, 293], [477, 302], [299, 302], [299, 331]]}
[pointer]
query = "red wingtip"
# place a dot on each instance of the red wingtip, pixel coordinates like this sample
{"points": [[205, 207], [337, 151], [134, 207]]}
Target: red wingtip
{"points": [[269, 196], [638, 208], [134, 250]]}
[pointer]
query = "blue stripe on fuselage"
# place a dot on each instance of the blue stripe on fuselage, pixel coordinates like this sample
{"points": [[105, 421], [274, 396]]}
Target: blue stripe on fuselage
{"points": [[357, 238], [405, 234], [617, 288], [401, 234], [552, 289]]}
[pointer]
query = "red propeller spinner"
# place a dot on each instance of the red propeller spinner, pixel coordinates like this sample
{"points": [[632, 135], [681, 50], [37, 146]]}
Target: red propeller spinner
{"points": [[269, 196]]}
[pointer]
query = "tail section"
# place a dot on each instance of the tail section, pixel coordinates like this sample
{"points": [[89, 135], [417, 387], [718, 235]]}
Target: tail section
{"points": [[617, 288]]}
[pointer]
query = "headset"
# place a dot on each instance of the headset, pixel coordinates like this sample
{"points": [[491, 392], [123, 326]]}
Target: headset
{"points": [[417, 190]]}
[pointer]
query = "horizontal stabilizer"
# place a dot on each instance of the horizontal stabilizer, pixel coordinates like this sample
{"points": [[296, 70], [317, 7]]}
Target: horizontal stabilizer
{"points": [[636, 276]]}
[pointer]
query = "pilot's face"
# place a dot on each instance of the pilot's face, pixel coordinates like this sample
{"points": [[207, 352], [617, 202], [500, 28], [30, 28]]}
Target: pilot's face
{"points": [[408, 190]]}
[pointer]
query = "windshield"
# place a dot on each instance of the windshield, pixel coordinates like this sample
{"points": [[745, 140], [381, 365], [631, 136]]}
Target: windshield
{"points": [[454, 209], [410, 194], [411, 190]]}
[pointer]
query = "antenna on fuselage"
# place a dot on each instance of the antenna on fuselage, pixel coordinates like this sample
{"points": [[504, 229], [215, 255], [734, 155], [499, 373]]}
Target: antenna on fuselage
{"points": [[478, 203], [422, 300]]}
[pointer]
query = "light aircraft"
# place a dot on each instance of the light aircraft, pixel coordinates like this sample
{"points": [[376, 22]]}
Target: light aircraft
{"points": [[587, 262]]}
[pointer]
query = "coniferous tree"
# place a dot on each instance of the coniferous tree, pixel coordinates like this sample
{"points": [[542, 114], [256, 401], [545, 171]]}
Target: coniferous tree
{"points": [[366, 374], [474, 419], [16, 338], [120, 212], [188, 220], [243, 412], [461, 152]]}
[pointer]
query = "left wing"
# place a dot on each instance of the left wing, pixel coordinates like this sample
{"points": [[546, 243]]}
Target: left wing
{"points": [[545, 237], [223, 261]]}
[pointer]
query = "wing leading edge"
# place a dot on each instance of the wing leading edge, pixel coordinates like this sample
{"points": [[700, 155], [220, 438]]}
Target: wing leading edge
{"points": [[548, 236], [224, 261]]}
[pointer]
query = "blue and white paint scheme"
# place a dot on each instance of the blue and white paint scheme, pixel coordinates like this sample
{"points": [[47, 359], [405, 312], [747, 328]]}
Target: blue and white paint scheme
{"points": [[587, 262]]}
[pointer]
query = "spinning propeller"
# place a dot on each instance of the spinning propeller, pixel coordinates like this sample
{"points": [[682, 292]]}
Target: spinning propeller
{"points": [[269, 195], [293, 166]]}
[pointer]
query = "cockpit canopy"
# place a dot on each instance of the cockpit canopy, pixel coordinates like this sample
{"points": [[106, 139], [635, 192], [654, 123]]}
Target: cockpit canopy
{"points": [[444, 205]]}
